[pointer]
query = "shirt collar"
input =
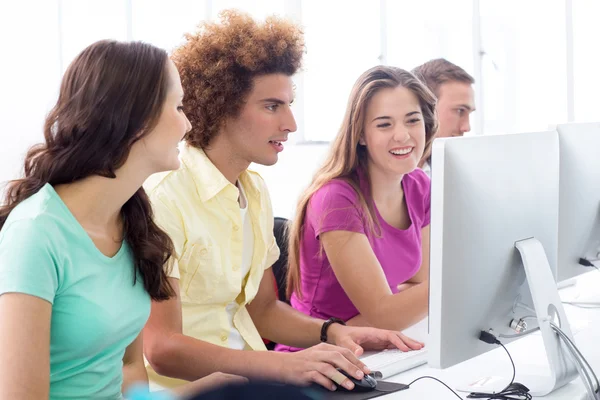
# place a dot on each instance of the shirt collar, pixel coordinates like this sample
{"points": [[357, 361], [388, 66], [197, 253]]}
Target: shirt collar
{"points": [[209, 180]]}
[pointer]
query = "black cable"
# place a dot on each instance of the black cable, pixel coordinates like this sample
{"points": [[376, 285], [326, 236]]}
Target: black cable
{"points": [[587, 263], [512, 391], [435, 379]]}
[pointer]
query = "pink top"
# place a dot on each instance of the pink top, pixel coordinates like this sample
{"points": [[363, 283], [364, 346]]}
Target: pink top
{"points": [[336, 207]]}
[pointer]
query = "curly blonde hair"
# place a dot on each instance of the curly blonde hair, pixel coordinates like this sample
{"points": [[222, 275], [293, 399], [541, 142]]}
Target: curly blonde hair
{"points": [[219, 61]]}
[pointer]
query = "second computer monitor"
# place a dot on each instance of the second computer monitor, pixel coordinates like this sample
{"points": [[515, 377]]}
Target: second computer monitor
{"points": [[579, 199], [488, 192]]}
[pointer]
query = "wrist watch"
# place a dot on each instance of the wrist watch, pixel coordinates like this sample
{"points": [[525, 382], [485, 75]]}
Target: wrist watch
{"points": [[326, 325]]}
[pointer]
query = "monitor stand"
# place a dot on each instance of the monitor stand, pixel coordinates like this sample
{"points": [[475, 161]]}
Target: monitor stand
{"points": [[549, 308]]}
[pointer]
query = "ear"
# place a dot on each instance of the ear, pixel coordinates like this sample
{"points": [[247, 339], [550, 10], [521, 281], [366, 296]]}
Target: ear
{"points": [[361, 141]]}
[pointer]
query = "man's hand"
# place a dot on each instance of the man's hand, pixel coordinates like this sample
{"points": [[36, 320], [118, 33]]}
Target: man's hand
{"points": [[358, 339], [318, 364]]}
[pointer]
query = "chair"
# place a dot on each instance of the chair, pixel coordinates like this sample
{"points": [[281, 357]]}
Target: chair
{"points": [[281, 265]]}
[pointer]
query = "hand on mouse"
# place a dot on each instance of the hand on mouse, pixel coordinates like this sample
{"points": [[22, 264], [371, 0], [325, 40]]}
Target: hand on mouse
{"points": [[358, 339], [318, 364]]}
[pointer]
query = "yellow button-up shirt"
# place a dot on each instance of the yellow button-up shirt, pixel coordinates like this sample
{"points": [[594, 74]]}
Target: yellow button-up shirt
{"points": [[198, 207]]}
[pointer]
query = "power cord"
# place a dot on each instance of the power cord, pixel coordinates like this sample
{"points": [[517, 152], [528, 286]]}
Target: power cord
{"points": [[435, 379], [512, 391], [588, 263], [583, 367]]}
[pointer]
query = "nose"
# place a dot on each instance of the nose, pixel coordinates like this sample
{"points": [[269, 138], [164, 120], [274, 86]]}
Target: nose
{"points": [[188, 125], [465, 125], [401, 134], [288, 122]]}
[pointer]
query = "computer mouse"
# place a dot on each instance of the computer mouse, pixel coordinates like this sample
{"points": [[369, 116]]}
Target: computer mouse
{"points": [[366, 384], [518, 387]]}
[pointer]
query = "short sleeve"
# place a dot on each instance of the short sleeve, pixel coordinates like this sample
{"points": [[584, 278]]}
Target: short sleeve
{"points": [[335, 207], [420, 195], [169, 219], [427, 207], [273, 250], [28, 262]]}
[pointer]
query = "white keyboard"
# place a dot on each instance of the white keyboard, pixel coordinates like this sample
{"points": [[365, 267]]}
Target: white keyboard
{"points": [[392, 362]]}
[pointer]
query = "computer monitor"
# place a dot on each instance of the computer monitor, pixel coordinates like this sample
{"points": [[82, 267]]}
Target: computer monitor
{"points": [[490, 195], [579, 199]]}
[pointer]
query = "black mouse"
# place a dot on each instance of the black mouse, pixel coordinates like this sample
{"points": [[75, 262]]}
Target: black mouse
{"points": [[366, 384], [518, 387]]}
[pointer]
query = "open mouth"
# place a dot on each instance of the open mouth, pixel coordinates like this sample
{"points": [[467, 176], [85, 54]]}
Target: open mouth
{"points": [[277, 145]]}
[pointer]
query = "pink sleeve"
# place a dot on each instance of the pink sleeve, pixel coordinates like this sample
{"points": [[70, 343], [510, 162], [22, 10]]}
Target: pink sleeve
{"points": [[427, 214], [335, 207]]}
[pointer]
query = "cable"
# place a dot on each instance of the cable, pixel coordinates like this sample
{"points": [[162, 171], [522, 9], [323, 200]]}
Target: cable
{"points": [[520, 335], [582, 304], [582, 364], [435, 379], [512, 391]]}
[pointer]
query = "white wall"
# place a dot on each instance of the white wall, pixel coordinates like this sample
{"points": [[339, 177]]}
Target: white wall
{"points": [[29, 74], [293, 172]]}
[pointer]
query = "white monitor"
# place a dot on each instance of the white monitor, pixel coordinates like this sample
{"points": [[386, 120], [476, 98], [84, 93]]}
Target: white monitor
{"points": [[490, 195], [579, 201]]}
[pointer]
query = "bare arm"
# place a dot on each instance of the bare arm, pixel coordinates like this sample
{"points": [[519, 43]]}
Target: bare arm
{"points": [[277, 321], [423, 274], [173, 354], [24, 347], [360, 274], [134, 370]]}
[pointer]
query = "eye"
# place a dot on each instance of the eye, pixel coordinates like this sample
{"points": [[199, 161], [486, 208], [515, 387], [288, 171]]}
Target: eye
{"points": [[179, 108], [460, 111], [414, 121], [272, 107], [384, 125]]}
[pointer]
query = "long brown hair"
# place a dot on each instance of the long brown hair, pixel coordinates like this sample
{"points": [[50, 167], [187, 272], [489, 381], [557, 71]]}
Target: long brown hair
{"points": [[346, 156], [110, 96]]}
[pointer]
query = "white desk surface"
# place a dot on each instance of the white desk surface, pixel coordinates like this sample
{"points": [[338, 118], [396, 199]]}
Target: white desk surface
{"points": [[528, 354]]}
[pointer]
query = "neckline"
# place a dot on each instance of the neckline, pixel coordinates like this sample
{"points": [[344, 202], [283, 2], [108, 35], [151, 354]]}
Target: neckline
{"points": [[382, 221], [83, 232]]}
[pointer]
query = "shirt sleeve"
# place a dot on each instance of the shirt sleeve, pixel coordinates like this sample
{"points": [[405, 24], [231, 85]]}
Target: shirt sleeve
{"points": [[273, 250], [169, 219], [427, 201], [28, 262], [335, 207]]}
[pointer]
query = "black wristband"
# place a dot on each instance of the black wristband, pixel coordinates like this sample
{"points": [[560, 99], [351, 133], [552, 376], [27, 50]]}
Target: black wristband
{"points": [[326, 326]]}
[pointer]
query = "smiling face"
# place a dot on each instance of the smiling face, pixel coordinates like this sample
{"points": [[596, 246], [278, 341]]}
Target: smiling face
{"points": [[257, 134], [394, 131]]}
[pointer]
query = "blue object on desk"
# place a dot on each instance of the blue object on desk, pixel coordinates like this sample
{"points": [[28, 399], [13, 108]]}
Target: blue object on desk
{"points": [[140, 392]]}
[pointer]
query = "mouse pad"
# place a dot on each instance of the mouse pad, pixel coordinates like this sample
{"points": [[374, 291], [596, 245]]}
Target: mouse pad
{"points": [[382, 389]]}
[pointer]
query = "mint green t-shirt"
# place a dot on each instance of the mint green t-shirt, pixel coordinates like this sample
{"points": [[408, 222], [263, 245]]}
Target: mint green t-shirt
{"points": [[97, 311]]}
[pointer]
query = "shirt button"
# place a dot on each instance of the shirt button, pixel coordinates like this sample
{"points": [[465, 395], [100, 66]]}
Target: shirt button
{"points": [[203, 252], [223, 338], [236, 228]]}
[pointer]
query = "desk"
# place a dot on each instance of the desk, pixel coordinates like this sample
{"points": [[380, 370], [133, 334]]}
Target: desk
{"points": [[528, 354]]}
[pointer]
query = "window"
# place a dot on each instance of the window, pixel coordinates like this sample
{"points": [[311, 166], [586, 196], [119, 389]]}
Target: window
{"points": [[84, 22], [586, 61], [342, 42], [420, 31], [524, 67], [164, 23]]}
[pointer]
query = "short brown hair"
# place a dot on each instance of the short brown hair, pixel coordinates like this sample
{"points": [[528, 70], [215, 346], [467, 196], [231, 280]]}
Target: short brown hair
{"points": [[219, 61], [436, 72]]}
